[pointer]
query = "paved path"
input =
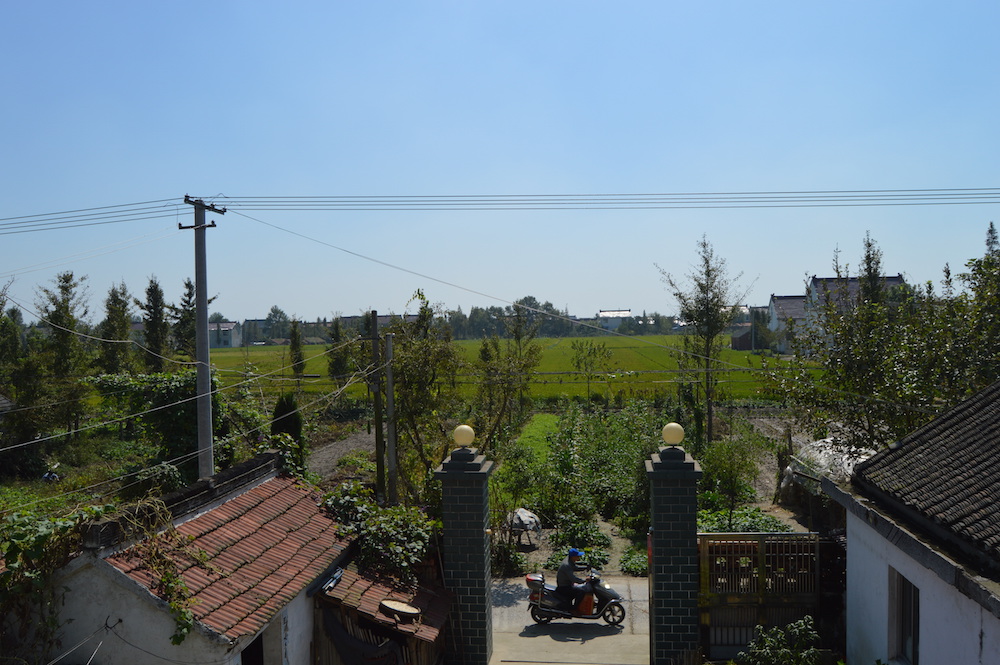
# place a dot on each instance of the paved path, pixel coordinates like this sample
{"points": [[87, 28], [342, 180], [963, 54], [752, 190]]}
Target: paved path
{"points": [[517, 640]]}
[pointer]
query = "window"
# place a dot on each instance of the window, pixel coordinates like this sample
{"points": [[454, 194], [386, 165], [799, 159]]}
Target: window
{"points": [[904, 619]]}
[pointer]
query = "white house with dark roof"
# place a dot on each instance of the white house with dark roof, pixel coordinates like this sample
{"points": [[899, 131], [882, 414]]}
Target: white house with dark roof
{"points": [[923, 542]]}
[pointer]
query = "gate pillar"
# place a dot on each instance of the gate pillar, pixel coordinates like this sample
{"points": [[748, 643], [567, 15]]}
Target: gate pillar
{"points": [[673, 550], [465, 507]]}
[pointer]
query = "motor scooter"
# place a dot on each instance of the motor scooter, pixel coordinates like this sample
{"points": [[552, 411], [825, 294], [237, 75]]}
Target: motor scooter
{"points": [[599, 601]]}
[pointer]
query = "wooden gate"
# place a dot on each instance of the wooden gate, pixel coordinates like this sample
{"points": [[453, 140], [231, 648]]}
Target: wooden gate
{"points": [[751, 579]]}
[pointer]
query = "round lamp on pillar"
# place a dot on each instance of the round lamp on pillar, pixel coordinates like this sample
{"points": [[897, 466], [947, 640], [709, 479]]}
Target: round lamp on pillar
{"points": [[464, 435], [672, 434]]}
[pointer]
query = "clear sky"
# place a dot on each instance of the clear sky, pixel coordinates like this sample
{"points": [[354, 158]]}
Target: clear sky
{"points": [[112, 103]]}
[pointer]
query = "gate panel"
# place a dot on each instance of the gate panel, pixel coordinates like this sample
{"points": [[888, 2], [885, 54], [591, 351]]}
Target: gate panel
{"points": [[751, 579]]}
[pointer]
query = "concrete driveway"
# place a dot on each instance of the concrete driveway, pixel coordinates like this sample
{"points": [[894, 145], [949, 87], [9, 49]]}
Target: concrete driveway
{"points": [[519, 640]]}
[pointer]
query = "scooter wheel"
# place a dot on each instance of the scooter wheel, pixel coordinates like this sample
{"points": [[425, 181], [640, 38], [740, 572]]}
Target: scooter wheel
{"points": [[538, 616], [614, 614]]}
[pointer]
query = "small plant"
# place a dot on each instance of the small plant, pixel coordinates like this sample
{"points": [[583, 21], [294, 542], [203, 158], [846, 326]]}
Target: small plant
{"points": [[506, 560], [795, 644], [635, 562], [575, 532]]}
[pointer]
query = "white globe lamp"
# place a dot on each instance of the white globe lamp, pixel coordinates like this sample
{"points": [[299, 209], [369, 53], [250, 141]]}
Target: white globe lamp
{"points": [[672, 434]]}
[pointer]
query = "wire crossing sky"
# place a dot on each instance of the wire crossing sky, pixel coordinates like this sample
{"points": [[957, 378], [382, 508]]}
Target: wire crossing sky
{"points": [[560, 150]]}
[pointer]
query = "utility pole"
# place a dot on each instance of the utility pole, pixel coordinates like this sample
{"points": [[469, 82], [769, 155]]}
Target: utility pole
{"points": [[390, 416], [376, 384], [206, 460]]}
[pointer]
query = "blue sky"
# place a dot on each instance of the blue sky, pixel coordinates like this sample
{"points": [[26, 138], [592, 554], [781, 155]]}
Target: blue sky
{"points": [[114, 103]]}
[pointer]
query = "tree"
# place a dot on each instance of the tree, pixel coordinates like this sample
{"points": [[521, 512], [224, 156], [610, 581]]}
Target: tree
{"points": [[217, 317], [295, 350], [425, 363], [287, 418], [116, 356], [504, 370], [709, 305], [338, 354], [185, 321], [590, 358], [277, 323], [155, 325], [64, 311], [731, 465]]}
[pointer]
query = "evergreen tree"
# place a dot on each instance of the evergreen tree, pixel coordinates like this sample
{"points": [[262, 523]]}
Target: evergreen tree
{"points": [[185, 318], [295, 349], [156, 327], [64, 312], [116, 357]]}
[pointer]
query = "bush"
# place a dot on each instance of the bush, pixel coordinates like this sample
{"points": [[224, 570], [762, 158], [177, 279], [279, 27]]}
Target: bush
{"points": [[743, 520], [795, 644], [506, 560], [635, 562]]}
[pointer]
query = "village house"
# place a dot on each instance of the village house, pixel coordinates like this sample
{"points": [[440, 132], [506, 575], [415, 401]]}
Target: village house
{"points": [[251, 546], [268, 579], [923, 542]]}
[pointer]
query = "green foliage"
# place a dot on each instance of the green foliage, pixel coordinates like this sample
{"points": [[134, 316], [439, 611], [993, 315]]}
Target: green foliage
{"points": [[294, 454], [391, 540], [506, 560], [880, 362], [795, 644], [295, 349], [166, 404], [425, 363], [32, 549], [590, 358], [709, 305], [156, 327], [287, 418], [731, 464], [748, 519], [635, 561], [154, 480]]}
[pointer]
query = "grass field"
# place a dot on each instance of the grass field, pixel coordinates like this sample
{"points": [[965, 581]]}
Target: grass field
{"points": [[646, 364]]}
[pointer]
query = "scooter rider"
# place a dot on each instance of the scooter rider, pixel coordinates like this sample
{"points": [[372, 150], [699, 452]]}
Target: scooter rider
{"points": [[568, 585]]}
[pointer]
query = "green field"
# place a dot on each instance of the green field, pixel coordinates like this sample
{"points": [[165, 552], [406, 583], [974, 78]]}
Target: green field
{"points": [[639, 364]]}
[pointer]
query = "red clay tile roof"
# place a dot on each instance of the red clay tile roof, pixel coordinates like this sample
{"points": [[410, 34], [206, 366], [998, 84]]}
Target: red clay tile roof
{"points": [[246, 559], [365, 593]]}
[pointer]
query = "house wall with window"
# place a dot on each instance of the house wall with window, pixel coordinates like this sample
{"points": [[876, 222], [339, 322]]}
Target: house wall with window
{"points": [[952, 627]]}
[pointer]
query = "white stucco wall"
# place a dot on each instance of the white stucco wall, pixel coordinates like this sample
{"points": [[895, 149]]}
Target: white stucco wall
{"points": [[953, 628], [97, 593]]}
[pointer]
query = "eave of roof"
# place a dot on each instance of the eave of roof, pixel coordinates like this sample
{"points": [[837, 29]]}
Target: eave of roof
{"points": [[364, 593], [249, 557], [943, 477]]}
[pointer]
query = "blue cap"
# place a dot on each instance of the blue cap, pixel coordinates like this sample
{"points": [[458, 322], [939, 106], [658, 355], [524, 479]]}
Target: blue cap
{"points": [[575, 552]]}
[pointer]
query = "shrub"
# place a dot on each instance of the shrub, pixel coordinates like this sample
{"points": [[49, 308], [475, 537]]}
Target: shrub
{"points": [[635, 562], [795, 644], [747, 519]]}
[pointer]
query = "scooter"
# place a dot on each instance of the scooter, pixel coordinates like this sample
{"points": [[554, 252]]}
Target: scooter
{"points": [[599, 602]]}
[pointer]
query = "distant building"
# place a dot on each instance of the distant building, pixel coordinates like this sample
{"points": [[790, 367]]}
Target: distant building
{"points": [[224, 335], [610, 319]]}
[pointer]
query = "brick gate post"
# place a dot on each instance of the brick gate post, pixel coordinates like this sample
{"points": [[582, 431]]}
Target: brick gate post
{"points": [[673, 567], [465, 506]]}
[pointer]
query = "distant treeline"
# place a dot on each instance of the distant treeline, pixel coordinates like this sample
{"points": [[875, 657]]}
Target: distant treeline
{"points": [[480, 322]]}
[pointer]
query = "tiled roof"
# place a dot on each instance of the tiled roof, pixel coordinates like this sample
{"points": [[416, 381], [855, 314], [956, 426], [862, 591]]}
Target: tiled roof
{"points": [[946, 475], [365, 593], [789, 307], [249, 557]]}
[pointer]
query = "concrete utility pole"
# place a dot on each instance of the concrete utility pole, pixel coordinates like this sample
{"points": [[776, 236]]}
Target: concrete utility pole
{"points": [[206, 460], [376, 383], [390, 416]]}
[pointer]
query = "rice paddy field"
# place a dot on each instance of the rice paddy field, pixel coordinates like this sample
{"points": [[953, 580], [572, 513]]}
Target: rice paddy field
{"points": [[641, 364]]}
